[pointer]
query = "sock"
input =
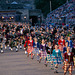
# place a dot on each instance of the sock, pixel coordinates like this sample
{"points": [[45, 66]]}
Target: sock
{"points": [[51, 65], [55, 68]]}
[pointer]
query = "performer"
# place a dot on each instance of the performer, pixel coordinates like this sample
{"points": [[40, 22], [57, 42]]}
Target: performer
{"points": [[49, 50], [26, 40], [29, 46], [68, 58], [16, 41], [11, 44], [36, 49], [1, 44], [19, 39], [41, 37], [61, 43], [69, 42], [43, 51], [57, 58], [64, 51], [73, 51], [65, 48], [7, 41]]}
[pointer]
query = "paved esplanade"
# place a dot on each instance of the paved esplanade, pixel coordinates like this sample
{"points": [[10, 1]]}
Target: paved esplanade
{"points": [[12, 63]]}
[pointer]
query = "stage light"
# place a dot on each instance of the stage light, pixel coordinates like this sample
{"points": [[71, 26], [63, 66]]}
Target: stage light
{"points": [[24, 17], [12, 17], [59, 18], [2, 17]]}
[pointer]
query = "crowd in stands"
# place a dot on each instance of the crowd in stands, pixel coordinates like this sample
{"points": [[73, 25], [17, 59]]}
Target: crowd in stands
{"points": [[63, 14]]}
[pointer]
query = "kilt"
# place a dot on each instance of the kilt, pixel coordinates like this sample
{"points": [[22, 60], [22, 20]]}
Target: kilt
{"points": [[49, 58], [43, 54], [61, 47], [57, 60], [30, 49], [68, 66], [74, 59], [35, 51]]}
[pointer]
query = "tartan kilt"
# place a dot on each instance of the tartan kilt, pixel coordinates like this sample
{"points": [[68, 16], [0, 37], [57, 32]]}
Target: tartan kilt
{"points": [[57, 60], [49, 58], [61, 47], [30, 49], [43, 54], [68, 66], [35, 51], [74, 59]]}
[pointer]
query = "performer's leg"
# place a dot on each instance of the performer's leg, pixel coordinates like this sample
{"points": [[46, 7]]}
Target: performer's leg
{"points": [[2, 48], [40, 59], [65, 67], [17, 48], [28, 55], [45, 61], [56, 68], [52, 65], [37, 57], [70, 70], [74, 61], [32, 55], [20, 46]]}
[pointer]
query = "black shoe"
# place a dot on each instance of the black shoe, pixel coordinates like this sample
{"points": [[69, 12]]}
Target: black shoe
{"points": [[52, 68], [32, 58], [45, 65], [39, 61], [56, 72]]}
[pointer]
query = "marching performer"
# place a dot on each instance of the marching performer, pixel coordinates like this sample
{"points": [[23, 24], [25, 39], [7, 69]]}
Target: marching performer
{"points": [[57, 58], [68, 58], [69, 42], [29, 46], [36, 49], [16, 44], [26, 40], [1, 44], [43, 51], [61, 43], [64, 51], [49, 50], [73, 51]]}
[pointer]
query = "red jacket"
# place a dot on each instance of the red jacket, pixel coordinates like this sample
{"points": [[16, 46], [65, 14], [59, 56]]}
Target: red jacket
{"points": [[67, 57], [60, 42], [28, 43]]}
